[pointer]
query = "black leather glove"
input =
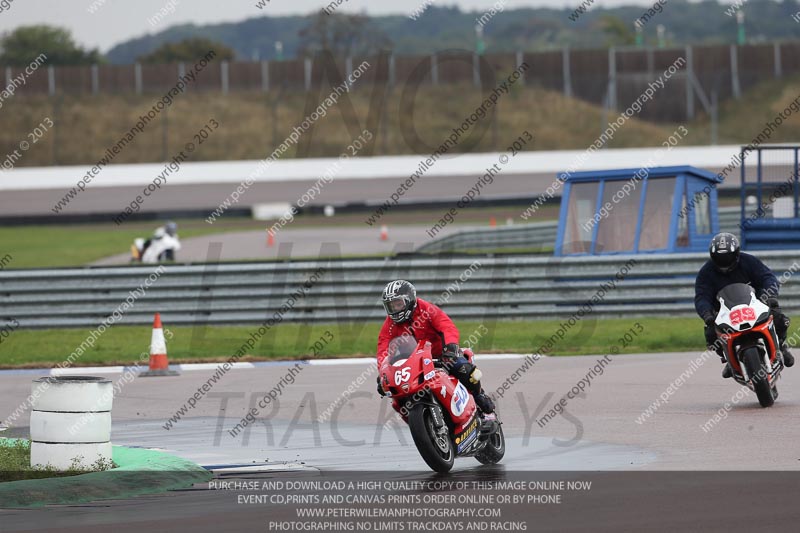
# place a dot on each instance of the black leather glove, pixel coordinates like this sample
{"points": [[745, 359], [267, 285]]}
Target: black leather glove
{"points": [[772, 303], [710, 329], [451, 351], [380, 387]]}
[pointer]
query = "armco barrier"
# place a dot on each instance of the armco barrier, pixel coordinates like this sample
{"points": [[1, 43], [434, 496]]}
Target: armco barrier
{"points": [[503, 287]]}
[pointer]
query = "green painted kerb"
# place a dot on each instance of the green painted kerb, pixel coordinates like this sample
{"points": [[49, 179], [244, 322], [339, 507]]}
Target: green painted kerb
{"points": [[140, 472]]}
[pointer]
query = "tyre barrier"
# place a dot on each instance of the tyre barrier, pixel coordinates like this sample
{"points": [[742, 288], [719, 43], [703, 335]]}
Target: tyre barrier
{"points": [[71, 422]]}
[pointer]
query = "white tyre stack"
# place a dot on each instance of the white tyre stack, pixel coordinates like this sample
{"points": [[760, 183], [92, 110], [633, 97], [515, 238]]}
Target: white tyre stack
{"points": [[71, 421]]}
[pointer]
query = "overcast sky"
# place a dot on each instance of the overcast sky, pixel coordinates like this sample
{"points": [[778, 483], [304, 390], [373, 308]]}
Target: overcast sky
{"points": [[115, 21]]}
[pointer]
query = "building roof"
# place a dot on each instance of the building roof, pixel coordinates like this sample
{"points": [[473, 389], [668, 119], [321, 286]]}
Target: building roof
{"points": [[654, 172]]}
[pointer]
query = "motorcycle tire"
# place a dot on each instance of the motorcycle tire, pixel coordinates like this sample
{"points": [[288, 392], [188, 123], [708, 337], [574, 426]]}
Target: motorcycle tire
{"points": [[437, 452], [494, 450], [758, 377]]}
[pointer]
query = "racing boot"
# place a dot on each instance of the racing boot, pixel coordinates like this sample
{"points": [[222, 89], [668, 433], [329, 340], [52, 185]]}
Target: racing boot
{"points": [[484, 402], [489, 422], [727, 372], [473, 385], [788, 358]]}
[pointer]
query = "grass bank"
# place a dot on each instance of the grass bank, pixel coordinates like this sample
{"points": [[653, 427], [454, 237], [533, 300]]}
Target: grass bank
{"points": [[125, 345]]}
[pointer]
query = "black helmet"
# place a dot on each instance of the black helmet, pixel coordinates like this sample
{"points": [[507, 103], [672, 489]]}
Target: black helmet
{"points": [[399, 300], [724, 251]]}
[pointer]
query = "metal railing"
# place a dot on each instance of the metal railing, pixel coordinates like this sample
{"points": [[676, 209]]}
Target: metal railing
{"points": [[539, 236], [484, 288]]}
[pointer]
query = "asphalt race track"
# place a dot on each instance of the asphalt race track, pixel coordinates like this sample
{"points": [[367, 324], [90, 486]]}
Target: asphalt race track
{"points": [[659, 474], [296, 243]]}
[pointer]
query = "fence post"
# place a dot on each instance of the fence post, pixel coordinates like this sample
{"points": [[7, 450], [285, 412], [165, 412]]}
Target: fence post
{"points": [[265, 76], [612, 78], [224, 73], [307, 69], [182, 71], [137, 75], [476, 70], [95, 79], [8, 76], [776, 54], [737, 89], [520, 61], [392, 70], [434, 70], [51, 80], [689, 89], [348, 67], [566, 68]]}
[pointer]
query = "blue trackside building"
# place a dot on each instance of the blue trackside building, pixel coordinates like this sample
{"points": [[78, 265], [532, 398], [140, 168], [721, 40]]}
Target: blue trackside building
{"points": [[638, 210]]}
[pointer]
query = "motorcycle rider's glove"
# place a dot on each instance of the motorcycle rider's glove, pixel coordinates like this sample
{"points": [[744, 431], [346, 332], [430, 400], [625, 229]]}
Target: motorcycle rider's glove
{"points": [[380, 387], [772, 303], [710, 329], [451, 351]]}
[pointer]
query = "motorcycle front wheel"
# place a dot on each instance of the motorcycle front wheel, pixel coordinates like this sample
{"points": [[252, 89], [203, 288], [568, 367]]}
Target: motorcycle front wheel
{"points": [[495, 449], [435, 448], [758, 376]]}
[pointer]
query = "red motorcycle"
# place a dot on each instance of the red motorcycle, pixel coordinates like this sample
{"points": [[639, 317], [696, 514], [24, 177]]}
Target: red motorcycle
{"points": [[751, 344], [445, 423]]}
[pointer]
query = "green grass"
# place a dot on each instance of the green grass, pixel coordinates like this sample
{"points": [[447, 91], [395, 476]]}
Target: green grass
{"points": [[15, 463], [126, 345]]}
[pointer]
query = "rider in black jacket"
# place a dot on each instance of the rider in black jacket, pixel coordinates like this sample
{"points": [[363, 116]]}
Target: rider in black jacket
{"points": [[729, 265]]}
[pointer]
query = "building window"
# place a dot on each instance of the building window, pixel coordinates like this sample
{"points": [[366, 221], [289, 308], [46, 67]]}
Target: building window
{"points": [[657, 214], [618, 216], [580, 218]]}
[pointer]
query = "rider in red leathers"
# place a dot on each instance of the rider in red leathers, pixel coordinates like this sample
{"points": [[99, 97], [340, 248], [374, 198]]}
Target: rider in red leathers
{"points": [[409, 315]]}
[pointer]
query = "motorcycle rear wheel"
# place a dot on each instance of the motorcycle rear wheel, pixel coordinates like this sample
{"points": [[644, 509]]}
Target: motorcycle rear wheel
{"points": [[436, 450], [758, 376]]}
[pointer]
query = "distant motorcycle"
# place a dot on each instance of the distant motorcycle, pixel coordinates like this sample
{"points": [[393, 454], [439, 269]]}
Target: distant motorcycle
{"points": [[442, 415], [751, 344], [157, 249]]}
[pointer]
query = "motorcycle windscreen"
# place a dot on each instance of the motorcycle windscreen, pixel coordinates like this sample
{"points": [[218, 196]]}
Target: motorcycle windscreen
{"points": [[400, 348], [736, 294]]}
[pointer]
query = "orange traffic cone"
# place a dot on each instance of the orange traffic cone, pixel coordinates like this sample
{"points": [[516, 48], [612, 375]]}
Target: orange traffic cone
{"points": [[492, 222], [384, 233], [159, 365], [270, 238]]}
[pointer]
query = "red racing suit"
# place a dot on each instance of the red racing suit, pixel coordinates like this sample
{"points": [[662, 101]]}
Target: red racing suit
{"points": [[427, 323]]}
